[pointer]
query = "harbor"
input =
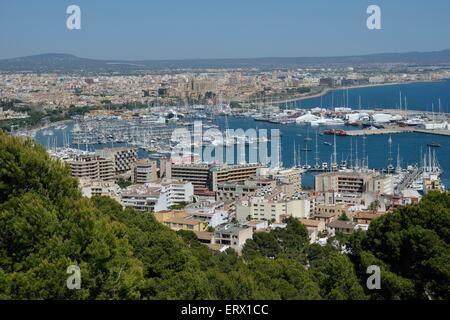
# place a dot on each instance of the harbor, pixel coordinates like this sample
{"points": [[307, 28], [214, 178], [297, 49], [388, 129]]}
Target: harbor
{"points": [[396, 130], [362, 134]]}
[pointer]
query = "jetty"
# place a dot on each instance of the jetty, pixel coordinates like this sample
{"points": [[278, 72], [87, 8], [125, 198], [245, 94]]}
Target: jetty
{"points": [[396, 130]]}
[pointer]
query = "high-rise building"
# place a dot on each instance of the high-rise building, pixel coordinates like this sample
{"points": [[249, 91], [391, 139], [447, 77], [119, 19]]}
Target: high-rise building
{"points": [[344, 182], [205, 175], [92, 167], [123, 158], [197, 174], [236, 173]]}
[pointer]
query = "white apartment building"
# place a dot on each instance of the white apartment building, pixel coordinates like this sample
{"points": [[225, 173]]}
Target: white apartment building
{"points": [[157, 197], [270, 207], [212, 212], [91, 189]]}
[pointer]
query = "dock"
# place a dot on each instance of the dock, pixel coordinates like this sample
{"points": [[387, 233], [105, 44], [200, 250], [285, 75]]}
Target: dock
{"points": [[396, 130]]}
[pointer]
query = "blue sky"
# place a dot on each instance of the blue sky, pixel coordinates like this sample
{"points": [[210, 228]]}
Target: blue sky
{"points": [[185, 29]]}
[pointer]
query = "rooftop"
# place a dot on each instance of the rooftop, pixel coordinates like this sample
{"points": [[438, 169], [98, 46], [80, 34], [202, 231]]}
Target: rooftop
{"points": [[337, 224], [309, 222]]}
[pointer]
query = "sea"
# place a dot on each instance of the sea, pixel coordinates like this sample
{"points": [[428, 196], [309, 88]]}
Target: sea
{"points": [[419, 96]]}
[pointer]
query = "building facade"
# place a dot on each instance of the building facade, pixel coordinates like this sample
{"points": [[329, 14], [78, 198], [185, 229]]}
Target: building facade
{"points": [[144, 171]]}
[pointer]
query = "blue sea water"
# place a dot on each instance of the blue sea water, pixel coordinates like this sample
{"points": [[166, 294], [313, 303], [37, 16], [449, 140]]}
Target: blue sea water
{"points": [[419, 96], [376, 147]]}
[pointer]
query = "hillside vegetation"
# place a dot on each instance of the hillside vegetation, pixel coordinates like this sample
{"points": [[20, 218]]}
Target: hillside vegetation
{"points": [[46, 226]]}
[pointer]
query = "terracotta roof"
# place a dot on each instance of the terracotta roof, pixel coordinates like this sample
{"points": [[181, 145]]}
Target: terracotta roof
{"points": [[309, 222], [367, 215], [337, 224], [203, 235], [185, 221]]}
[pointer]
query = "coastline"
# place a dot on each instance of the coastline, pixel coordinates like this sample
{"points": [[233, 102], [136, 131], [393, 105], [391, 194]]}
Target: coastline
{"points": [[327, 90]]}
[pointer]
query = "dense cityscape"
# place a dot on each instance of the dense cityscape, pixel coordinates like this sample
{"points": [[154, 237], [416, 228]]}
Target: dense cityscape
{"points": [[226, 180]]}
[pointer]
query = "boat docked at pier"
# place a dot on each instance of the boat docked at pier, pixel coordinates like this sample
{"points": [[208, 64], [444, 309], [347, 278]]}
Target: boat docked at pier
{"points": [[337, 132]]}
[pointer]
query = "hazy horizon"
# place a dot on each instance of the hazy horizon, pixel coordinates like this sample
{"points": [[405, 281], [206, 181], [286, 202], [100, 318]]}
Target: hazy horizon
{"points": [[221, 58], [201, 29]]}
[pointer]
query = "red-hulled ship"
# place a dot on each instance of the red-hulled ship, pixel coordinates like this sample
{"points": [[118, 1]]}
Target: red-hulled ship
{"points": [[333, 132]]}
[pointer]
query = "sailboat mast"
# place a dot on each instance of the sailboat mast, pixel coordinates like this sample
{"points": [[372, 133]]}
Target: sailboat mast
{"points": [[334, 151], [317, 152], [295, 154], [390, 150], [399, 168], [351, 153], [364, 164]]}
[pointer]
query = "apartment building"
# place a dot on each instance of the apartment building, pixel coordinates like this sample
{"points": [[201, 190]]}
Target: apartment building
{"points": [[344, 182], [92, 167], [285, 177], [180, 220], [175, 192], [123, 158], [156, 197], [235, 173], [233, 236], [144, 171], [198, 174], [232, 191], [331, 197], [345, 227], [328, 213], [141, 198], [365, 217], [91, 188], [271, 207], [383, 184], [205, 175], [212, 212]]}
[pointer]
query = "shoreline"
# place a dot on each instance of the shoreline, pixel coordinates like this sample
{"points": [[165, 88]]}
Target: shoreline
{"points": [[325, 91]]}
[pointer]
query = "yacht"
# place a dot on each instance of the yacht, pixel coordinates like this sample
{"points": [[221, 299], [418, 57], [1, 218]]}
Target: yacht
{"points": [[328, 122]]}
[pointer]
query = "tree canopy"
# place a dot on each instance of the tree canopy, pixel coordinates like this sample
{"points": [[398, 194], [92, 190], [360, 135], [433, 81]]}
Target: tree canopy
{"points": [[46, 226]]}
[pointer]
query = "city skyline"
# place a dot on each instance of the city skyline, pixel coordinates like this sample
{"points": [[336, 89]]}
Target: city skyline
{"points": [[203, 30]]}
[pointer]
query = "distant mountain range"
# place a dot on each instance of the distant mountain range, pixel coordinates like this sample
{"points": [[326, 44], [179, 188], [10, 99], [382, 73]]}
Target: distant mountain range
{"points": [[69, 63]]}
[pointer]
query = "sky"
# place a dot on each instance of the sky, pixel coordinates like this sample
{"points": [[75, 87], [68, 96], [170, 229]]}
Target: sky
{"points": [[196, 29]]}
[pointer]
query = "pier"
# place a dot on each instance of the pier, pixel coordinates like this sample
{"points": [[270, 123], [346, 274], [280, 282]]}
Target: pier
{"points": [[396, 130]]}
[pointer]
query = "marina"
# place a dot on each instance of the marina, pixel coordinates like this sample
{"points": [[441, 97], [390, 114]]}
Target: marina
{"points": [[150, 131]]}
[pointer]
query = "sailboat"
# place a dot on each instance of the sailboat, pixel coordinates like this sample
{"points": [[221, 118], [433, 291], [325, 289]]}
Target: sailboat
{"points": [[434, 145], [308, 138], [390, 167], [334, 165], [317, 166]]}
